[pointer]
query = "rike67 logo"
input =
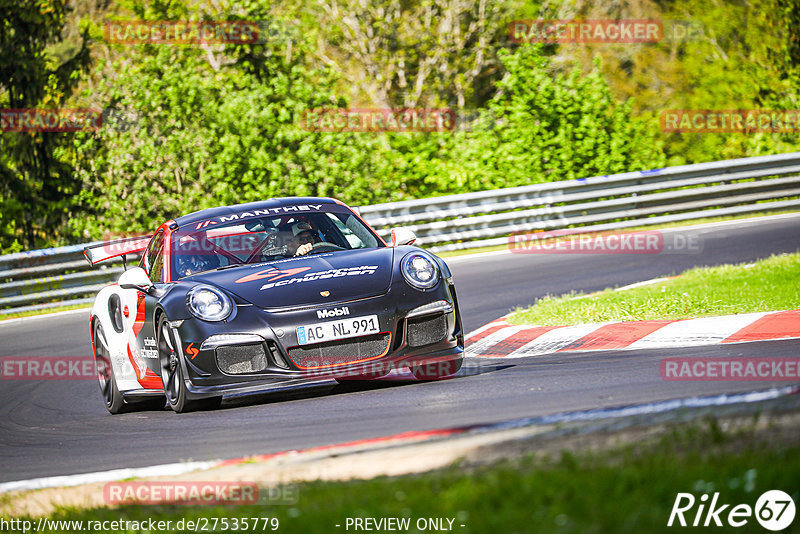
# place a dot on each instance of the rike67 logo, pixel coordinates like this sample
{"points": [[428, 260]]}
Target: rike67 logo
{"points": [[774, 510]]}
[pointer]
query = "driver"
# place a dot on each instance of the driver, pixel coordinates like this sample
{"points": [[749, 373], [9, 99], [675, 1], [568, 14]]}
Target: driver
{"points": [[196, 263], [302, 240], [191, 257]]}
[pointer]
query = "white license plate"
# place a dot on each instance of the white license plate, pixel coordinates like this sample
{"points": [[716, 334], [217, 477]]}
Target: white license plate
{"points": [[339, 329]]}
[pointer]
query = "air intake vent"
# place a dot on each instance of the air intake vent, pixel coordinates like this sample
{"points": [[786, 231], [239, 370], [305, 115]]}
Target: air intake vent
{"points": [[335, 353], [242, 359], [426, 330]]}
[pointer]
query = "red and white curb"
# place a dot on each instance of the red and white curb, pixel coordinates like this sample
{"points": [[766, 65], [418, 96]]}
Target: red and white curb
{"points": [[500, 339]]}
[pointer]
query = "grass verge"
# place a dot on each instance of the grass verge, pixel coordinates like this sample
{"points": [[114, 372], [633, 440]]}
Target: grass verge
{"points": [[618, 489], [45, 311], [767, 285]]}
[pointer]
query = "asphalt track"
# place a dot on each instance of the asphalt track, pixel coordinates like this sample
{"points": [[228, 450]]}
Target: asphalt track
{"points": [[52, 428]]}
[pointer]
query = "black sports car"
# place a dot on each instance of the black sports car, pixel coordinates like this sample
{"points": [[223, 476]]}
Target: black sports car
{"points": [[268, 294]]}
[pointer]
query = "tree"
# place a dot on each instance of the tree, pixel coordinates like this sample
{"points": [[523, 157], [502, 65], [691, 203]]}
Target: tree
{"points": [[550, 126], [407, 54], [37, 185], [215, 125]]}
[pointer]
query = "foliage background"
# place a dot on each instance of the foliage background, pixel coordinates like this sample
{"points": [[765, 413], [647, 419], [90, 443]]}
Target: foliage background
{"points": [[195, 126]]}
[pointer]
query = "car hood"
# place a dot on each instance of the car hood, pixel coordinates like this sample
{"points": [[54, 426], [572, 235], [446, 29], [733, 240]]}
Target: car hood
{"points": [[320, 279]]}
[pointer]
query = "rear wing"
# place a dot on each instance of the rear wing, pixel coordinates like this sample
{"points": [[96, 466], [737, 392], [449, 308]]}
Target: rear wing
{"points": [[112, 249]]}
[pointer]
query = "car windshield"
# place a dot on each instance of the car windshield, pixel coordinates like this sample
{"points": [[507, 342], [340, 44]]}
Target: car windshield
{"points": [[250, 238]]}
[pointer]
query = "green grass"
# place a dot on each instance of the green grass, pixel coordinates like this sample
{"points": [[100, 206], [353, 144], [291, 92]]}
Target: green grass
{"points": [[47, 311], [770, 284], [622, 490]]}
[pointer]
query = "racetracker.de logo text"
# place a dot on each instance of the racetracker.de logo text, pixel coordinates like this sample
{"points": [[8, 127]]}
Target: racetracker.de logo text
{"points": [[730, 369], [581, 241], [48, 368], [183, 32], [604, 31], [746, 121], [50, 120], [196, 493], [378, 120]]}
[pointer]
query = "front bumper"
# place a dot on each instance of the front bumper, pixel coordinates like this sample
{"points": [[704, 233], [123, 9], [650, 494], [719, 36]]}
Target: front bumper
{"points": [[257, 349]]}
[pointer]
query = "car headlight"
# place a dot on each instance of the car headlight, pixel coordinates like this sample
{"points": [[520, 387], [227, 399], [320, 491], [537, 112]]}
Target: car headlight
{"points": [[420, 270], [208, 303]]}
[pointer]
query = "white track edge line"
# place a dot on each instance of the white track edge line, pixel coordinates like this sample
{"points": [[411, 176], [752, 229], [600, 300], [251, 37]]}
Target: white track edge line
{"points": [[105, 476]]}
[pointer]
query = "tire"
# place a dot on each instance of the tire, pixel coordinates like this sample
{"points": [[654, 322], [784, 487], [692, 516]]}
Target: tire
{"points": [[172, 376], [112, 398], [436, 370]]}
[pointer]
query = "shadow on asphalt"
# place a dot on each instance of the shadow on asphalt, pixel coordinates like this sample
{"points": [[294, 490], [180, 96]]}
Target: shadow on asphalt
{"points": [[394, 380]]}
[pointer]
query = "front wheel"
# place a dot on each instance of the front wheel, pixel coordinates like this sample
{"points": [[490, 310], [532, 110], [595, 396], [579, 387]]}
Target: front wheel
{"points": [[436, 370], [172, 375]]}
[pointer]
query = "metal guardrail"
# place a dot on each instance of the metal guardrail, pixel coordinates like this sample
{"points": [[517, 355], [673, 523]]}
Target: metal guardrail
{"points": [[58, 276], [617, 201], [51, 278]]}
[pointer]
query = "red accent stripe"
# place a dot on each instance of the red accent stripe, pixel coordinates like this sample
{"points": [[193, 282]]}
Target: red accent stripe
{"points": [[149, 380], [773, 326], [615, 336], [486, 333], [138, 323], [515, 341]]}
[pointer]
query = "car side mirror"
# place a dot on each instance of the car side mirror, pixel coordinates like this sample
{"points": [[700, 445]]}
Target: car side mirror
{"points": [[403, 236], [135, 278]]}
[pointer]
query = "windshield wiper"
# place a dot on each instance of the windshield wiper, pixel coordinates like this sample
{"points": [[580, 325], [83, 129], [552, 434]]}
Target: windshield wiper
{"points": [[228, 266]]}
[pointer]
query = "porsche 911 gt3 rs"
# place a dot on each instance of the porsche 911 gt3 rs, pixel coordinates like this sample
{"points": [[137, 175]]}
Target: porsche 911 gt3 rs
{"points": [[271, 294]]}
